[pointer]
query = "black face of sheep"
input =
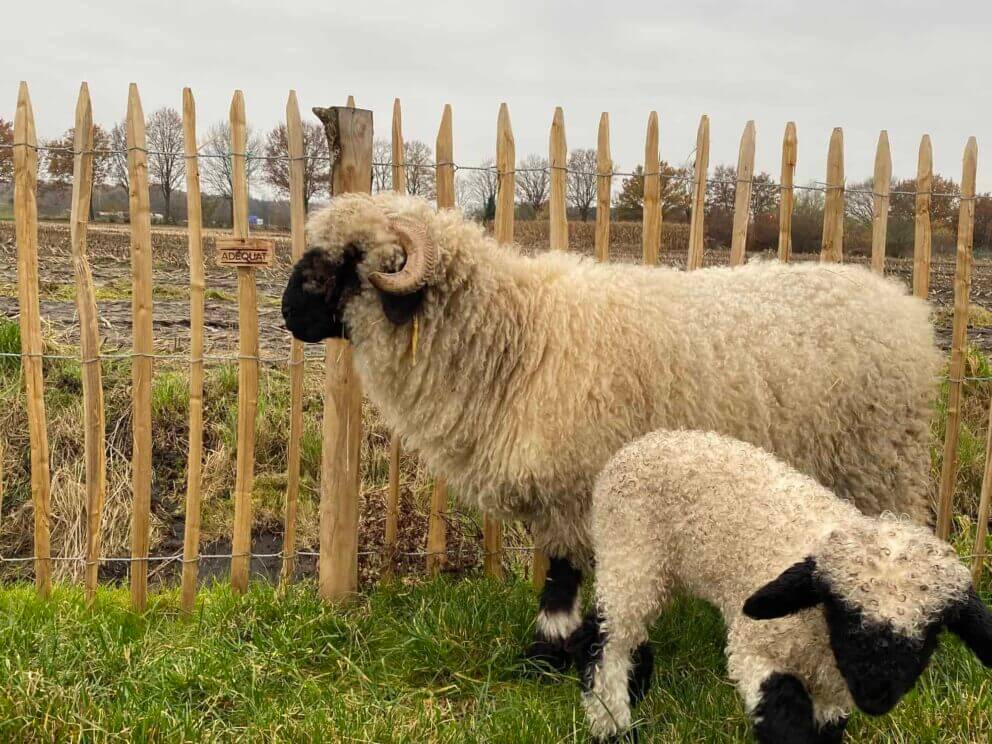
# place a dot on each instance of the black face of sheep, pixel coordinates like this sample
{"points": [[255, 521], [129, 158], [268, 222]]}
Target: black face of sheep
{"points": [[319, 288], [316, 293], [879, 663]]}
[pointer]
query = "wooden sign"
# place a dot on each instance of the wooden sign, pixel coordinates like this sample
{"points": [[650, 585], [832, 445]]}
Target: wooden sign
{"points": [[245, 252]]}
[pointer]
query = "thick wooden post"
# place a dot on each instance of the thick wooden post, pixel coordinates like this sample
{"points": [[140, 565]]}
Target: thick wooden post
{"points": [[143, 347], [922, 234], [437, 538], [492, 531], [197, 291], [742, 196], [557, 205], [349, 137], [790, 151], [26, 232], [604, 186], [89, 338], [880, 202], [697, 223], [959, 338], [651, 224], [832, 244]]}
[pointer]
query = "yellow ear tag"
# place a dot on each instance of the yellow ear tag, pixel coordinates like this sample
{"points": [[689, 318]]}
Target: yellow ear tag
{"points": [[413, 340]]}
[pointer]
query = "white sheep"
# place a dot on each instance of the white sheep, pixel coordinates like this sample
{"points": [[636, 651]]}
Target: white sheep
{"points": [[530, 372], [825, 608]]}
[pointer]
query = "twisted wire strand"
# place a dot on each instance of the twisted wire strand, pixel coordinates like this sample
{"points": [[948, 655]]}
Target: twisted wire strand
{"points": [[816, 186]]}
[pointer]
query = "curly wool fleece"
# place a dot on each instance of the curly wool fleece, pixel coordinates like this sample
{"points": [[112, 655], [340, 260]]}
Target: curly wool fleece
{"points": [[532, 371], [720, 518]]}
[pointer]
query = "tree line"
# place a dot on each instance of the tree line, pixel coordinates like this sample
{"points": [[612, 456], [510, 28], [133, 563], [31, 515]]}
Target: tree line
{"points": [[477, 188]]}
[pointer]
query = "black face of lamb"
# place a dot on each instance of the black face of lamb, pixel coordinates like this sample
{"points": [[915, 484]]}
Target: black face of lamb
{"points": [[879, 664], [558, 596], [316, 294]]}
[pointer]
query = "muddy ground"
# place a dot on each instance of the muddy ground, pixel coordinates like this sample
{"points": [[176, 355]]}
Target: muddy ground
{"points": [[108, 248]]}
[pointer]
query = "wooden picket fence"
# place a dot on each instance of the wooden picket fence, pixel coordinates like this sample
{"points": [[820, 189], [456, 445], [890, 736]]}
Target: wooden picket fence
{"points": [[350, 134]]}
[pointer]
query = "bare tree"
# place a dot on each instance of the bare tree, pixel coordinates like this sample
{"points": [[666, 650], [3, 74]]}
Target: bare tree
{"points": [[764, 194], [533, 181], [382, 171], [166, 158], [859, 202], [60, 155], [117, 172], [582, 181], [482, 187], [316, 167], [421, 176], [215, 160]]}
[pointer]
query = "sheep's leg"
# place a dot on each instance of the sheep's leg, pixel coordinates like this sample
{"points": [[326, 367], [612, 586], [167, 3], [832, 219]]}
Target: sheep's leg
{"points": [[784, 712], [559, 615], [616, 673], [832, 733]]}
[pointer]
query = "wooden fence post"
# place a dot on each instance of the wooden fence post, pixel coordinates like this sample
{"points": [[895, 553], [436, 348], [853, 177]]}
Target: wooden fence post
{"points": [[832, 244], [697, 223], [393, 490], [880, 202], [32, 347], [349, 139], [959, 338], [89, 338], [247, 355], [143, 348], [297, 226], [557, 205], [651, 222], [604, 187], [437, 541], [742, 196], [787, 197], [492, 532], [197, 290], [922, 235]]}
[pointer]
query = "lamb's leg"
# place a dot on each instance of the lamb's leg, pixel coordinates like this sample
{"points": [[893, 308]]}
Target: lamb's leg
{"points": [[559, 614], [784, 713], [616, 674], [832, 733]]}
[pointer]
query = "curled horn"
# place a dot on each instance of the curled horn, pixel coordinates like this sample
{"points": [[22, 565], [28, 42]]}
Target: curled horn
{"points": [[421, 257]]}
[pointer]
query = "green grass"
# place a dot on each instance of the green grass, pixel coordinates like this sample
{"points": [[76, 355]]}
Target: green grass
{"points": [[430, 662]]}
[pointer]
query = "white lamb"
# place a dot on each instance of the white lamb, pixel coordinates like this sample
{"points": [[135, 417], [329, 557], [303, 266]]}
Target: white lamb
{"points": [[826, 608]]}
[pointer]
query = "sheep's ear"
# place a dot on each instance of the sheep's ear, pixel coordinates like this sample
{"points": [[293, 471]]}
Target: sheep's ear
{"points": [[972, 623], [794, 590], [400, 309]]}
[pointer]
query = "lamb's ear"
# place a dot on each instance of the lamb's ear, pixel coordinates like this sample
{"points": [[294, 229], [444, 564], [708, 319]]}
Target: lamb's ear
{"points": [[400, 309], [971, 621], [795, 589]]}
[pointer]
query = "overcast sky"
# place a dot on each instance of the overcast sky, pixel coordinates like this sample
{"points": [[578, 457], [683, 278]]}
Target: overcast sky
{"points": [[908, 67]]}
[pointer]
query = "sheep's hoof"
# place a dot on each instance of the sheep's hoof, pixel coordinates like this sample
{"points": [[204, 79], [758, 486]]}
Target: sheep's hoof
{"points": [[548, 655]]}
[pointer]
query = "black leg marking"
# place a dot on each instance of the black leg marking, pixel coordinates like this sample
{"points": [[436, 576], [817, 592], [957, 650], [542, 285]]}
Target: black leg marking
{"points": [[785, 713], [640, 674], [832, 733], [557, 604], [585, 647], [561, 586]]}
